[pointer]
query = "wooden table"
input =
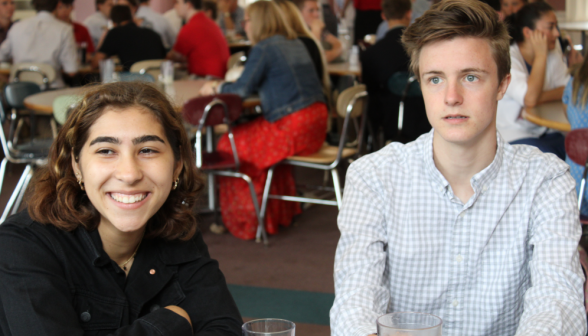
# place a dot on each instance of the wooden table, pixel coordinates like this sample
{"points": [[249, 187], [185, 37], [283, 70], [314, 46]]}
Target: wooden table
{"points": [[549, 115], [581, 26], [184, 91], [344, 69]]}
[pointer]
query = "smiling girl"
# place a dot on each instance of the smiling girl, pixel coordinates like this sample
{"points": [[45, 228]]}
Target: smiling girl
{"points": [[109, 245]]}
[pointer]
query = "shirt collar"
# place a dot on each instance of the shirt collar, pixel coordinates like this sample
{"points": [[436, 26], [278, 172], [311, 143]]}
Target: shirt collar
{"points": [[46, 15], [479, 181]]}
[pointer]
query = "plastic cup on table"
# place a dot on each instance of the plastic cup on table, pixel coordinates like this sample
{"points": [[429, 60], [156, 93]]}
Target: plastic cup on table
{"points": [[269, 327], [409, 324]]}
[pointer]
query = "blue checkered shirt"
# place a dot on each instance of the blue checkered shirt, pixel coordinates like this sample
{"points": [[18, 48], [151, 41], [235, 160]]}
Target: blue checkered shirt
{"points": [[504, 263]]}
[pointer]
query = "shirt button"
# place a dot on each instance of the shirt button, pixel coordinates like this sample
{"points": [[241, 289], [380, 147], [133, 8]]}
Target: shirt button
{"points": [[459, 258], [85, 316], [455, 303], [462, 215], [484, 188]]}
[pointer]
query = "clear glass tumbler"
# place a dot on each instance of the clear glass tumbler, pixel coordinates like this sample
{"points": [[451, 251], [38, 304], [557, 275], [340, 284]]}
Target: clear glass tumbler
{"points": [[269, 327], [409, 324]]}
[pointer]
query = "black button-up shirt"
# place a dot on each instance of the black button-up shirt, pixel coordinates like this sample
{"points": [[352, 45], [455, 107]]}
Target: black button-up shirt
{"points": [[54, 282]]}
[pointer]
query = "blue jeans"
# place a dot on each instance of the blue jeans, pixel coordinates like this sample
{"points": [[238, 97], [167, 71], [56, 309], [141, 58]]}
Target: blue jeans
{"points": [[547, 143]]}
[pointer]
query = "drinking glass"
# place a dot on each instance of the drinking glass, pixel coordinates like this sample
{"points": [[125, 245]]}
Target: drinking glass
{"points": [[167, 71], [107, 70], [269, 327], [409, 324]]}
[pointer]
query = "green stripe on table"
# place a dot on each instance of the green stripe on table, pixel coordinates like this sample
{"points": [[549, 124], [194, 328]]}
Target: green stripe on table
{"points": [[292, 305]]}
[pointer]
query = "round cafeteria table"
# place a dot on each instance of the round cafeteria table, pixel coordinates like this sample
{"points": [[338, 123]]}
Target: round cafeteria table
{"points": [[184, 90], [549, 115], [344, 69]]}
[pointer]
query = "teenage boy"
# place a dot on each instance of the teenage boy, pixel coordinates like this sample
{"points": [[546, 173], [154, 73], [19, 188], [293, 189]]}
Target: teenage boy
{"points": [[459, 223]]}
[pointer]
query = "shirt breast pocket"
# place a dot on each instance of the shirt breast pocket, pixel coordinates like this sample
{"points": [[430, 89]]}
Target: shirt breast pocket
{"points": [[98, 312], [171, 295]]}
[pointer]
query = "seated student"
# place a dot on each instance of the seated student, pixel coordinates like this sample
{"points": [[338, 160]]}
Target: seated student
{"points": [[509, 7], [230, 18], [378, 63], [97, 23], [127, 41], [539, 75], [157, 22], [200, 42], [418, 8], [459, 223], [575, 97], [294, 120], [6, 12], [312, 16], [109, 244], [42, 39], [81, 34]]}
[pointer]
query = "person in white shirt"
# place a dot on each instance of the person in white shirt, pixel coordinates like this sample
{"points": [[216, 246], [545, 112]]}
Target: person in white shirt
{"points": [[174, 20], [97, 23], [459, 223], [42, 39], [158, 23], [539, 74]]}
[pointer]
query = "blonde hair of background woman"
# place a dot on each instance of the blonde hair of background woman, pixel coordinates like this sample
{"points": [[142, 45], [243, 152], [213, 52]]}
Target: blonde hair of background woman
{"points": [[266, 20], [294, 19]]}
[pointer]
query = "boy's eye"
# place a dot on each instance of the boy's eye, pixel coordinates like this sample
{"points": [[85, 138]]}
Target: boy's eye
{"points": [[471, 78], [435, 80]]}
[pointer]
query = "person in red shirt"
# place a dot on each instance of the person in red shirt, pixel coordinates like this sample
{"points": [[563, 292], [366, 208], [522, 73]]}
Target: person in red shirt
{"points": [[200, 42], [81, 33]]}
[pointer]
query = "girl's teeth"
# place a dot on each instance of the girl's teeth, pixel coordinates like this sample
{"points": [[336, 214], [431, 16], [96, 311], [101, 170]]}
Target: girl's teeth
{"points": [[127, 199]]}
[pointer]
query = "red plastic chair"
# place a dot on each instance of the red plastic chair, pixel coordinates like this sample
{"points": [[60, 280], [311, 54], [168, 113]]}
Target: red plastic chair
{"points": [[210, 111], [577, 150]]}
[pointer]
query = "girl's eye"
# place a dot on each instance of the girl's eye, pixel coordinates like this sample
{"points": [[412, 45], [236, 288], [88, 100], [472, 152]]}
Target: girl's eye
{"points": [[105, 151], [148, 151]]}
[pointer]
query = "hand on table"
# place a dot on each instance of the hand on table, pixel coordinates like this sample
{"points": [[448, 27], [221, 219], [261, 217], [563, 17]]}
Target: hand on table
{"points": [[209, 88], [538, 44], [180, 312], [317, 27]]}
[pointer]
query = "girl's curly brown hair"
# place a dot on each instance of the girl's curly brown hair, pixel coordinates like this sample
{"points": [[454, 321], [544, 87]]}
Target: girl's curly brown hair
{"points": [[55, 196]]}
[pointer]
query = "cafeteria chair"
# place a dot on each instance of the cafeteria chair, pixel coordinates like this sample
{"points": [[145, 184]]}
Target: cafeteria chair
{"points": [[33, 153], [40, 73], [152, 67], [62, 106], [351, 105], [206, 113], [576, 145], [404, 86]]}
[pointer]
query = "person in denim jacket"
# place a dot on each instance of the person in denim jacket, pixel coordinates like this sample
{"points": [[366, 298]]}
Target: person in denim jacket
{"points": [[294, 121], [109, 244]]}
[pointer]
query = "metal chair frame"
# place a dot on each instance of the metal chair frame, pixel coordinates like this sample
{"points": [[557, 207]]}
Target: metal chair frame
{"points": [[332, 167], [227, 173], [12, 154]]}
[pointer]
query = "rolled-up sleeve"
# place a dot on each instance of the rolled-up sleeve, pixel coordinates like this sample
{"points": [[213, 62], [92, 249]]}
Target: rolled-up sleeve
{"points": [[361, 292], [554, 302]]}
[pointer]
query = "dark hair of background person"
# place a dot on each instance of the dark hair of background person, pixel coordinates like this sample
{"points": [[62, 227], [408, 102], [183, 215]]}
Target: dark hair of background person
{"points": [[55, 197], [120, 14], [449, 19], [211, 6], [143, 1], [197, 4], [526, 17], [99, 2], [395, 9], [133, 3], [67, 2], [45, 5]]}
